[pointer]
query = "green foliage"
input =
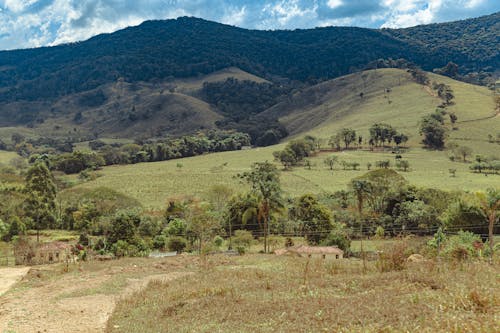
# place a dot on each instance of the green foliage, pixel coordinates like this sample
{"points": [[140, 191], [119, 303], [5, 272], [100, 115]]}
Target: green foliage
{"points": [[176, 243], [218, 241], [348, 136], [124, 226], [314, 218], [330, 161], [461, 245], [433, 130], [242, 238], [380, 133], [339, 237], [41, 194]]}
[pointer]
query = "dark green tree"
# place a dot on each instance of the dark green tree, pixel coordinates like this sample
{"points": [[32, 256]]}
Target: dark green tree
{"points": [[41, 194], [265, 182], [315, 219]]}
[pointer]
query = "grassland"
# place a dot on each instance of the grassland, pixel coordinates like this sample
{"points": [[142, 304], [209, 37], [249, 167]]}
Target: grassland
{"points": [[321, 111], [260, 293], [153, 183]]}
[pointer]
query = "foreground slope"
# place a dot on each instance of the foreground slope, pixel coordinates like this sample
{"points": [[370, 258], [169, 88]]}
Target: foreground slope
{"points": [[153, 183]]}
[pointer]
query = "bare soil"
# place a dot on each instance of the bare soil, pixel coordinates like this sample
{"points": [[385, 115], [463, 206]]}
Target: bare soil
{"points": [[51, 299]]}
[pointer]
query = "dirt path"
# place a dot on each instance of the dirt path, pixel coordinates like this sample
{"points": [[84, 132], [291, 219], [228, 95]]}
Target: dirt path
{"points": [[9, 276], [71, 302]]}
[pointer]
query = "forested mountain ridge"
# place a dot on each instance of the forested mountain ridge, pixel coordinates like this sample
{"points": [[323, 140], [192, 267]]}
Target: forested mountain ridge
{"points": [[187, 47]]}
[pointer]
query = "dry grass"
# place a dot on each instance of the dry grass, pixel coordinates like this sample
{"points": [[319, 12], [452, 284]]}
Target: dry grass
{"points": [[261, 293]]}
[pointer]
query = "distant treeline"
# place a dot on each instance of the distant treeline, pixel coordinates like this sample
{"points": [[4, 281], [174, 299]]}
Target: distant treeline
{"points": [[159, 150]]}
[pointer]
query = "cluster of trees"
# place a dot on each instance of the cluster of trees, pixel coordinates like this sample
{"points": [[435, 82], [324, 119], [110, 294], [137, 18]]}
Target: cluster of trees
{"points": [[296, 151], [433, 129], [379, 202], [380, 134], [160, 150]]}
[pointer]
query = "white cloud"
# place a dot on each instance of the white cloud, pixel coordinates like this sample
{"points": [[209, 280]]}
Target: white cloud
{"points": [[30, 23], [335, 3]]}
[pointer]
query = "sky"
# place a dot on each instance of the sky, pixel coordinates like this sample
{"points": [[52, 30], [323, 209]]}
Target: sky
{"points": [[34, 23]]}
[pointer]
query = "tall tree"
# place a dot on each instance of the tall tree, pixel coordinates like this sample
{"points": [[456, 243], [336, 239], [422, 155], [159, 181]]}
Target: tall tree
{"points": [[41, 194], [348, 135], [490, 205], [265, 182]]}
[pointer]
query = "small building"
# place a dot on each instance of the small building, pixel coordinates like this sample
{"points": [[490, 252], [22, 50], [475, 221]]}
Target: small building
{"points": [[324, 252], [43, 253]]}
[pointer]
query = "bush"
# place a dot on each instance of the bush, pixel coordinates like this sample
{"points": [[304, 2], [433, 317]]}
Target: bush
{"points": [[242, 238], [393, 257], [218, 241], [84, 239], [380, 232], [176, 243], [461, 246], [338, 237], [159, 242]]}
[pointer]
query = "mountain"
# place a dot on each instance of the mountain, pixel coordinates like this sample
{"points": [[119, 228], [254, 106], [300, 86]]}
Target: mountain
{"points": [[79, 84]]}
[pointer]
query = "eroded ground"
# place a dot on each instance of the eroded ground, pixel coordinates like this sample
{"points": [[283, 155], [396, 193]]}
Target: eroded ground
{"points": [[78, 298]]}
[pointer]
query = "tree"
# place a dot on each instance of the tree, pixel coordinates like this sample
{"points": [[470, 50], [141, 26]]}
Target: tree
{"points": [[361, 188], [381, 133], [330, 161], [403, 164], [400, 138], [348, 135], [265, 183], [463, 151], [41, 194], [489, 203], [433, 131], [315, 219], [334, 141], [286, 157], [203, 224], [453, 118], [124, 226]]}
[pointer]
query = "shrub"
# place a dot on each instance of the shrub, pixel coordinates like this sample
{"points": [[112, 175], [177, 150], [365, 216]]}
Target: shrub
{"points": [[83, 239], [159, 242], [380, 232], [242, 238], [338, 237], [393, 257], [176, 243], [461, 245], [218, 241]]}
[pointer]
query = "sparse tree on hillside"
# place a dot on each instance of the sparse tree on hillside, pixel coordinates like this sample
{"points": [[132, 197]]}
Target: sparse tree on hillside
{"points": [[348, 135], [433, 131], [330, 161], [463, 151]]}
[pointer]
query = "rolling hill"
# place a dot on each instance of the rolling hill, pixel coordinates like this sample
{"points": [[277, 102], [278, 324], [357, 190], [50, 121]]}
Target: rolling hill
{"points": [[322, 110], [146, 77]]}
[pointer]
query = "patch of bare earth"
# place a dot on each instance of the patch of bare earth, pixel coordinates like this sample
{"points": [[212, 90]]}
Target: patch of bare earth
{"points": [[48, 299]]}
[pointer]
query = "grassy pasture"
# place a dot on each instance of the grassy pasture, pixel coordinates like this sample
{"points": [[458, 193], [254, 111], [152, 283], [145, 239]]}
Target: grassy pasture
{"points": [[153, 183], [262, 293], [338, 105]]}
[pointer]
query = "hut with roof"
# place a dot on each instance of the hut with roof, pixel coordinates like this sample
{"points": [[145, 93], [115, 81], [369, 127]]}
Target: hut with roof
{"points": [[324, 252]]}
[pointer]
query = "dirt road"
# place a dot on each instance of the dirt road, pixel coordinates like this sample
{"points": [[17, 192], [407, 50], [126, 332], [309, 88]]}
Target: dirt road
{"points": [[50, 300]]}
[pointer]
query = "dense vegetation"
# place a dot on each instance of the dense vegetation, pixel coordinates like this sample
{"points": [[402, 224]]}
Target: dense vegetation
{"points": [[151, 51]]}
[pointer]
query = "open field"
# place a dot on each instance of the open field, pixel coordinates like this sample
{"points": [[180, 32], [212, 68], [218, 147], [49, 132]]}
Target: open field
{"points": [[337, 105], [260, 293], [153, 183]]}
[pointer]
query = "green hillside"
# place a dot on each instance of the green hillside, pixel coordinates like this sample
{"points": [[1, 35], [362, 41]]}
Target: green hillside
{"points": [[153, 183]]}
